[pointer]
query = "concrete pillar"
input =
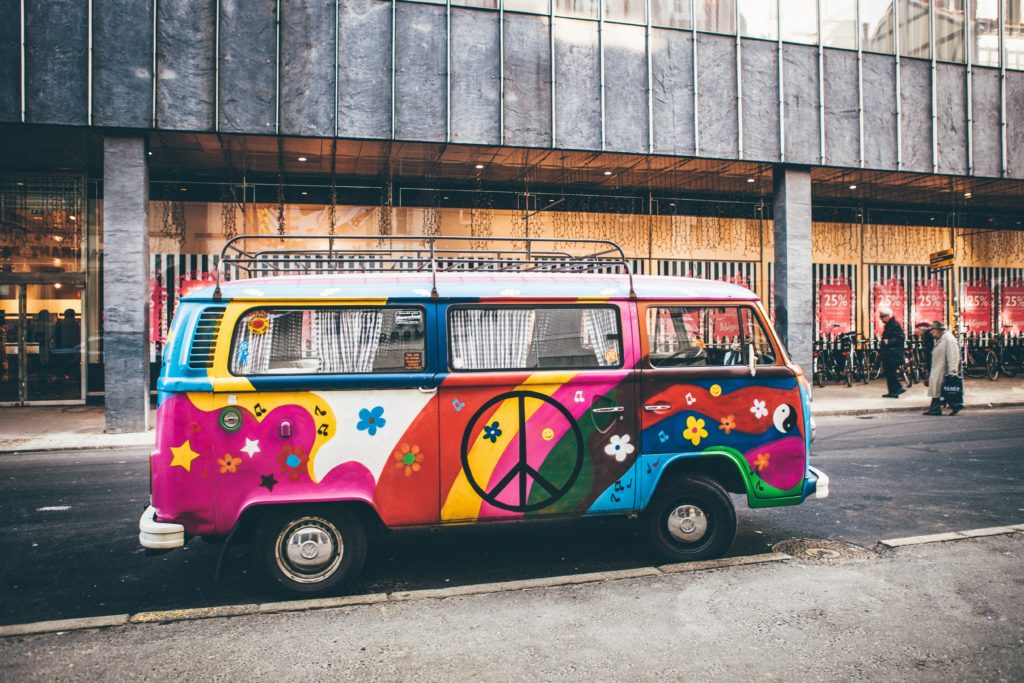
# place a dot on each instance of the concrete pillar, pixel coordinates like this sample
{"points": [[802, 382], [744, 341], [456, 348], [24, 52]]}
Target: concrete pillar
{"points": [[794, 284], [125, 284]]}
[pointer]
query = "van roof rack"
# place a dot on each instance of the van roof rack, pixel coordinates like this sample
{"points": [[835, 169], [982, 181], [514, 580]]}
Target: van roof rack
{"points": [[240, 257]]}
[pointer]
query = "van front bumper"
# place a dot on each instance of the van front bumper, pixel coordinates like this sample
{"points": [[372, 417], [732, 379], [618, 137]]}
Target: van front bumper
{"points": [[816, 483], [155, 535]]}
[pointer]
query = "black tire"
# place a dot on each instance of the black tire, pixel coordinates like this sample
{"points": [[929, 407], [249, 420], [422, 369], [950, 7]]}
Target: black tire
{"points": [[992, 365], [974, 371], [286, 527], [690, 493], [1009, 365]]}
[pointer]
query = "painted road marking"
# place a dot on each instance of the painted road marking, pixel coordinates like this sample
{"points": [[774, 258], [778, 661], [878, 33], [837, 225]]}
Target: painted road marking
{"points": [[171, 616]]}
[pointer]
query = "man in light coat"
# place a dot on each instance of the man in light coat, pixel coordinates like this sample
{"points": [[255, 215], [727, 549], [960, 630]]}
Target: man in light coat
{"points": [[945, 361]]}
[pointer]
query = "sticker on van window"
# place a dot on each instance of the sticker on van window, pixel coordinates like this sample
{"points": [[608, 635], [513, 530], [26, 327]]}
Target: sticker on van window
{"points": [[259, 322], [409, 317], [413, 360]]}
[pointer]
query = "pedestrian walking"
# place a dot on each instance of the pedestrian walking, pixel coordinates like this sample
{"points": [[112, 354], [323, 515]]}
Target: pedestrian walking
{"points": [[892, 348], [945, 370]]}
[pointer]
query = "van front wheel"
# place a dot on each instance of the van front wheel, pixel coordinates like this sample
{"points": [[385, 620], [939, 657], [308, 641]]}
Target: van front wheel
{"points": [[312, 551], [691, 518]]}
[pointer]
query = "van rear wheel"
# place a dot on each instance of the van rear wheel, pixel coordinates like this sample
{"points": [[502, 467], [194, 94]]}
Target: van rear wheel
{"points": [[311, 551], [691, 518]]}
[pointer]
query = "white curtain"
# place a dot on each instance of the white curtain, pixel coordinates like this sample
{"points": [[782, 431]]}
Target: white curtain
{"points": [[491, 338], [349, 339], [252, 351], [598, 326]]}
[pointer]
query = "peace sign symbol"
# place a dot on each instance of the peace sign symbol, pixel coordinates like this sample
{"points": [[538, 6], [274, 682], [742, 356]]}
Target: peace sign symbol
{"points": [[522, 472]]}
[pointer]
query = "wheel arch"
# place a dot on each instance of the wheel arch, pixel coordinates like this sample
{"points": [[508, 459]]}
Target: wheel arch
{"points": [[250, 518], [725, 467]]}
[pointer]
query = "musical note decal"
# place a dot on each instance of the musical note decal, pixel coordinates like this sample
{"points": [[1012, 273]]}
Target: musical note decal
{"points": [[322, 430], [320, 412], [259, 410]]}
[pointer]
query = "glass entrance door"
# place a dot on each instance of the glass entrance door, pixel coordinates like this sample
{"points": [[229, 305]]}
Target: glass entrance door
{"points": [[41, 335]]}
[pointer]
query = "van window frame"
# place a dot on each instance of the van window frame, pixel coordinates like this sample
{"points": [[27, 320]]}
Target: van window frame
{"points": [[391, 373], [511, 305], [756, 312]]}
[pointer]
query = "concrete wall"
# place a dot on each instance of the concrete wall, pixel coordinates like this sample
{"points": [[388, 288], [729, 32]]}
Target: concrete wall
{"points": [[337, 75]]}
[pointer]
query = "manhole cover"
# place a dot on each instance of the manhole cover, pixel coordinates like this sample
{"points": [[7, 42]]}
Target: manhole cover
{"points": [[822, 550]]}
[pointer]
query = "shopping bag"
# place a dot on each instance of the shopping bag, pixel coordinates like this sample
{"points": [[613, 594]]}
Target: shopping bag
{"points": [[953, 390]]}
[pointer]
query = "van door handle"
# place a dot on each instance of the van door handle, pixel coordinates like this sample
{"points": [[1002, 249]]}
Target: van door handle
{"points": [[427, 390], [652, 407], [611, 409]]}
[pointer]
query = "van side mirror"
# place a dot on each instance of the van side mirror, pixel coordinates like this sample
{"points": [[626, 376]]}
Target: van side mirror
{"points": [[751, 359]]}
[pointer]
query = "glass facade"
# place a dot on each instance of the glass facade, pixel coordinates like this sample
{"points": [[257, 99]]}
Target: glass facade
{"points": [[915, 28], [799, 21], [839, 23], [949, 30], [759, 19]]}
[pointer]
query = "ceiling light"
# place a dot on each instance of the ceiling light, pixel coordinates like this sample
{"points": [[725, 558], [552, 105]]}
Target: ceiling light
{"points": [[853, 187], [183, 189], [72, 218], [607, 172], [57, 238], [304, 193], [444, 197], [303, 159], [967, 195], [149, 154], [479, 166], [751, 180], [56, 285]]}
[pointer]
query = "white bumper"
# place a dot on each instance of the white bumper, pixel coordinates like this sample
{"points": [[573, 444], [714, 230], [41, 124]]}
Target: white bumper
{"points": [[821, 487], [159, 535]]}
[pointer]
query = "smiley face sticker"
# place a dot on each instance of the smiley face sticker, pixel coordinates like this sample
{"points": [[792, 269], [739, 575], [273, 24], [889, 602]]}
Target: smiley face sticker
{"points": [[716, 390], [547, 434]]}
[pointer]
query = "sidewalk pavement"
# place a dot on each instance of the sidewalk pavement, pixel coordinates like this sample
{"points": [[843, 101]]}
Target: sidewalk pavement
{"points": [[58, 428]]}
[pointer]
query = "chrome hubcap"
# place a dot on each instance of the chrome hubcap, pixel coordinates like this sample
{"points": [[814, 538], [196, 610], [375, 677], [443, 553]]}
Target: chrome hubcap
{"points": [[687, 523], [309, 549]]}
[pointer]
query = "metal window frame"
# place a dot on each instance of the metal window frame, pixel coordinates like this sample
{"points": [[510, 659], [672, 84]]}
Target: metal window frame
{"points": [[650, 77], [277, 70], [969, 68], [21, 38], [739, 78], [501, 72], [899, 84], [1004, 161], [89, 58], [448, 71], [696, 87], [932, 49], [216, 66], [860, 88], [600, 64], [551, 54], [782, 84], [154, 76], [821, 90]]}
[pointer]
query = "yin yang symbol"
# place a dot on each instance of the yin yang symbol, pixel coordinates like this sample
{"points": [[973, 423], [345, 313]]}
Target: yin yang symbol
{"points": [[784, 418]]}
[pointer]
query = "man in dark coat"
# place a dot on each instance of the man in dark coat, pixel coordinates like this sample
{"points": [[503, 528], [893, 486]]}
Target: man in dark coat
{"points": [[892, 348]]}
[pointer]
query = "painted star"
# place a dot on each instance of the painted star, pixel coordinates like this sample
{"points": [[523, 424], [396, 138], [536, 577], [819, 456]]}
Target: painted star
{"points": [[252, 447], [183, 456], [268, 481]]}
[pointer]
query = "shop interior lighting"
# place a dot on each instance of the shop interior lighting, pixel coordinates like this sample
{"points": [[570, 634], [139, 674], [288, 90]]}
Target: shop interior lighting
{"points": [[967, 195], [304, 193], [751, 180], [853, 187], [303, 159], [56, 285], [72, 218], [479, 166], [183, 189], [607, 172], [57, 238]]}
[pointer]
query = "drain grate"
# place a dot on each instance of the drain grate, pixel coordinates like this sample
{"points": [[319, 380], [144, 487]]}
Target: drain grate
{"points": [[822, 550]]}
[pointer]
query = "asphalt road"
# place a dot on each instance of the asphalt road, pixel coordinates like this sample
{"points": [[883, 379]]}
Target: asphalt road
{"points": [[68, 522]]}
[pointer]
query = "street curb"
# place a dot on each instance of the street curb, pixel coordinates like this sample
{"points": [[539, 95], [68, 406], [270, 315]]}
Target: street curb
{"points": [[7, 450], [192, 614], [910, 409]]}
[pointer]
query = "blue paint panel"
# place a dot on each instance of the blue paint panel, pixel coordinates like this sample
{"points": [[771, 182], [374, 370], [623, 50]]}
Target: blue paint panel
{"points": [[618, 497]]}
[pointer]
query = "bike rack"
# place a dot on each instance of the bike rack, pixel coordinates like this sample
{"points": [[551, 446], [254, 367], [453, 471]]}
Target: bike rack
{"points": [[417, 253]]}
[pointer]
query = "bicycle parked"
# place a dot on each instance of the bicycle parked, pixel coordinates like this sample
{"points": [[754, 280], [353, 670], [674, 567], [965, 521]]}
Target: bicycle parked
{"points": [[978, 356]]}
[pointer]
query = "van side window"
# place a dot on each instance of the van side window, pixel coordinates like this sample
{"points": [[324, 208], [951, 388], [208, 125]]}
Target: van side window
{"points": [[702, 336], [304, 341], [529, 337]]}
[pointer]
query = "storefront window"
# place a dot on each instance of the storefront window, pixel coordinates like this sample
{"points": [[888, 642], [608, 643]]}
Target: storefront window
{"points": [[915, 28], [631, 11], [949, 30], [985, 32], [1013, 36], [716, 16], [671, 13], [759, 19], [531, 6], [876, 24], [799, 20], [839, 23], [586, 9]]}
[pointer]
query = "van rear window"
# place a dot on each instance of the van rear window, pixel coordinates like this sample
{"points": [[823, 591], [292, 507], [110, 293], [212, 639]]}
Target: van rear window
{"points": [[532, 337], [305, 341]]}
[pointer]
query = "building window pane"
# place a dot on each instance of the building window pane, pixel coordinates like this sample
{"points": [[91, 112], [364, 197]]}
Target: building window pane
{"points": [[876, 34], [915, 28], [632, 11], [839, 23], [799, 21], [489, 4], [673, 13], [532, 6], [586, 9], [949, 30], [759, 19], [985, 32], [1013, 36], [716, 16]]}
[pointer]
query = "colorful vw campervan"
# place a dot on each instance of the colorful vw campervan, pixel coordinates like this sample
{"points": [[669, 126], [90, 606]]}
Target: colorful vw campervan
{"points": [[320, 392]]}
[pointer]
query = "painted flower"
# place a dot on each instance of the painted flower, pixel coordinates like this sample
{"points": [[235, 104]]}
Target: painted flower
{"points": [[292, 461], [259, 323], [620, 447], [758, 409], [695, 430], [408, 458], [728, 424], [492, 431], [762, 460], [371, 420], [229, 463]]}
